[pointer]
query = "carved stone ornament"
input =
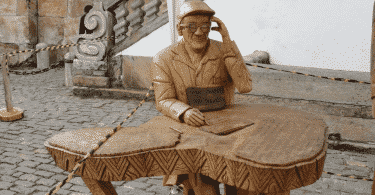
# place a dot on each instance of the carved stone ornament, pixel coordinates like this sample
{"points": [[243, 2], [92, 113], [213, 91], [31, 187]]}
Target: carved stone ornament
{"points": [[101, 22], [121, 28], [137, 17], [152, 10]]}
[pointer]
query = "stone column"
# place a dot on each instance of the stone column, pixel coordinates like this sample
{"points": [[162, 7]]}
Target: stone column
{"points": [[42, 56], [172, 20], [152, 10], [137, 17], [31, 24], [173, 10], [372, 68], [121, 28], [69, 57]]}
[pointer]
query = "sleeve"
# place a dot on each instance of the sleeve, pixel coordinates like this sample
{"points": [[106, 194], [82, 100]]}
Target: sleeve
{"points": [[165, 92], [236, 67]]}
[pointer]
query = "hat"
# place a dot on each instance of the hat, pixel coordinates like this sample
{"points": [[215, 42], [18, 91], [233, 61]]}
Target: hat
{"points": [[194, 7]]}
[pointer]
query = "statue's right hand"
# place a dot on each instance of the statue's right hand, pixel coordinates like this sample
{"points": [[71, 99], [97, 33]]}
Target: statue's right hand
{"points": [[194, 117]]}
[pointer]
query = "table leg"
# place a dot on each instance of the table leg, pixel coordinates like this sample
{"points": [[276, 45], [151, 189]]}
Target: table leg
{"points": [[188, 189], [281, 193], [232, 190], [100, 187], [203, 185]]}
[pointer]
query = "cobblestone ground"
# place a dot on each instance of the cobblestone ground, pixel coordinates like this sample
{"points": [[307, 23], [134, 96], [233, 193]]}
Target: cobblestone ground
{"points": [[50, 108]]}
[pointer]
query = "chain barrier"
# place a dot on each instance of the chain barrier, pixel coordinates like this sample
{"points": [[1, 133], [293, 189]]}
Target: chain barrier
{"points": [[37, 71], [34, 71], [115, 37], [294, 72], [118, 127], [91, 152], [63, 46], [348, 176]]}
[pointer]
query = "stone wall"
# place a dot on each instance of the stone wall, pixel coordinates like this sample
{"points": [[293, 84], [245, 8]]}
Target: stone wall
{"points": [[136, 71], [130, 72], [24, 25], [18, 27]]}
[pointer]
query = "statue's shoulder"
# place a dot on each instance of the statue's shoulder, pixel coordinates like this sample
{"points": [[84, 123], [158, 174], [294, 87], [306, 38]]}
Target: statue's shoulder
{"points": [[217, 45], [166, 53]]}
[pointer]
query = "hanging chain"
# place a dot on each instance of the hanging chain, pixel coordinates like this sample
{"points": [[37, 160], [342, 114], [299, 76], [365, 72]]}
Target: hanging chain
{"points": [[54, 47], [91, 152], [322, 77]]}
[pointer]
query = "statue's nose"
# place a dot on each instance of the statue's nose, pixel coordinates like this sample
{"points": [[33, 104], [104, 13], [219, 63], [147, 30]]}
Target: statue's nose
{"points": [[199, 31]]}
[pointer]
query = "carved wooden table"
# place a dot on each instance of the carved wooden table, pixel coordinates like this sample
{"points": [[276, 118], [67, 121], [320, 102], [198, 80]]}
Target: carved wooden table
{"points": [[271, 149]]}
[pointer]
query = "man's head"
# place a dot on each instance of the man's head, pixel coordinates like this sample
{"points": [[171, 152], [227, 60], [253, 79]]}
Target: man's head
{"points": [[194, 23]]}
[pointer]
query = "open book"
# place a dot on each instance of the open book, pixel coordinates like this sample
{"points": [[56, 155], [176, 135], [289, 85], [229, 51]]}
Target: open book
{"points": [[226, 125], [221, 125]]}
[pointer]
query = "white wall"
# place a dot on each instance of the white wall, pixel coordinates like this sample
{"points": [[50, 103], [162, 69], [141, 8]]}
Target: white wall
{"points": [[331, 34]]}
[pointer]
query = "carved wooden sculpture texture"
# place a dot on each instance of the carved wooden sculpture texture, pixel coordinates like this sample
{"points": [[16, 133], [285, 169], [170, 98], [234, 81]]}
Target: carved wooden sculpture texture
{"points": [[290, 149], [198, 72], [252, 148]]}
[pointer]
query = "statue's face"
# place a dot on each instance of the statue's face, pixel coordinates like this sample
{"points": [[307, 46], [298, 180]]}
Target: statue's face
{"points": [[195, 30]]}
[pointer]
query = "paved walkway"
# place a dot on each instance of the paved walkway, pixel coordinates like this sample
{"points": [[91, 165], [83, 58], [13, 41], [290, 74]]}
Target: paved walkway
{"points": [[49, 108]]}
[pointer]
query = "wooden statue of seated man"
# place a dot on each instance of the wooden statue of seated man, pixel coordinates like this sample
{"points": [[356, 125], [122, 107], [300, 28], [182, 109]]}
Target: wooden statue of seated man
{"points": [[198, 64]]}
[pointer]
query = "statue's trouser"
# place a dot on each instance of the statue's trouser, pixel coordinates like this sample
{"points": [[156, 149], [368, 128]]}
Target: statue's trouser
{"points": [[198, 184]]}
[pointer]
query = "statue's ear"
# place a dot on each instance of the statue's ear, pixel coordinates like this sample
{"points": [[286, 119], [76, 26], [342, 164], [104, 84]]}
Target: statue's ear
{"points": [[179, 30]]}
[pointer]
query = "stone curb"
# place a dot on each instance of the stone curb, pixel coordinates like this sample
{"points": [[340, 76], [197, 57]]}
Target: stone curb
{"points": [[329, 108], [87, 92]]}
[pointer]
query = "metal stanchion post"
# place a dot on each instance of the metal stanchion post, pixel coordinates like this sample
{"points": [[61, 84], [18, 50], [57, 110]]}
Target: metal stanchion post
{"points": [[372, 62], [9, 113], [372, 71], [68, 60]]}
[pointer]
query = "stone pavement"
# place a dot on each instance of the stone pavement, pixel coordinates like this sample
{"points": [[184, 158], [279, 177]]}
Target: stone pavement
{"points": [[50, 108]]}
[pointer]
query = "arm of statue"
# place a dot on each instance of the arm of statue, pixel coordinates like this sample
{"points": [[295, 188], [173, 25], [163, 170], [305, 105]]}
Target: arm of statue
{"points": [[166, 100], [165, 95], [234, 61]]}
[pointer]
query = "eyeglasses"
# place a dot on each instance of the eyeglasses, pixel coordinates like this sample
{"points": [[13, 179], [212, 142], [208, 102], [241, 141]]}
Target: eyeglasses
{"points": [[193, 27]]}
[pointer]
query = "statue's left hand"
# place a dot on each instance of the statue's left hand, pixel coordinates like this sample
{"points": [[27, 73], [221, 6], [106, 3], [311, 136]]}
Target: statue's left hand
{"points": [[222, 29]]}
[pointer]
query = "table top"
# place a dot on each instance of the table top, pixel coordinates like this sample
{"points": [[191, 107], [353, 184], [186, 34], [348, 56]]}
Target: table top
{"points": [[273, 140], [276, 136], [280, 136]]}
